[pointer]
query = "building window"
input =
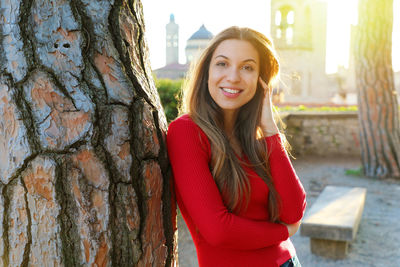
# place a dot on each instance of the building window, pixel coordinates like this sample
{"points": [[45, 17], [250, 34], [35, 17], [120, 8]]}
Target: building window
{"points": [[289, 35], [285, 20], [278, 33], [290, 17], [278, 18]]}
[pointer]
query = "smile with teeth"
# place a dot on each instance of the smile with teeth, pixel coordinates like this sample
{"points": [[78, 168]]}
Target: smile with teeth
{"points": [[231, 91]]}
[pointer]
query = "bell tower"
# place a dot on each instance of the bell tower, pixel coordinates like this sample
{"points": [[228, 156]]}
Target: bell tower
{"points": [[172, 41], [298, 28]]}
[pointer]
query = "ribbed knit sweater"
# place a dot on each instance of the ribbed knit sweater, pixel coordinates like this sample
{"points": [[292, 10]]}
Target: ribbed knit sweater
{"points": [[223, 238]]}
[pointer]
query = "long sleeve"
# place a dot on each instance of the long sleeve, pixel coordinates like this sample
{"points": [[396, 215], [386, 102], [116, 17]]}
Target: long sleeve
{"points": [[189, 154], [287, 184]]}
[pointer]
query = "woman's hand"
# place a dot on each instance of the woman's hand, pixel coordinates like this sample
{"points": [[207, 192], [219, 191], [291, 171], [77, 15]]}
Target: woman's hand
{"points": [[292, 228], [268, 124]]}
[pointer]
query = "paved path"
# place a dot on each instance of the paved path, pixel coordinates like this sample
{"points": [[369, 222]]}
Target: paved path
{"points": [[377, 243]]}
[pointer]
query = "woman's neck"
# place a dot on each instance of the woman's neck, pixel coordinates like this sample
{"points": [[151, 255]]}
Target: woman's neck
{"points": [[229, 122]]}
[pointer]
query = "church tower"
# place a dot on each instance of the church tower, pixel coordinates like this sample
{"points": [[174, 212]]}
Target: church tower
{"points": [[298, 28], [172, 41]]}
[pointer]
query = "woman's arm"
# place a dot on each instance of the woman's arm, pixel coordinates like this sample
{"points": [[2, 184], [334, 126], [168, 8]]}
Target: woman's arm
{"points": [[286, 182], [189, 154], [293, 228]]}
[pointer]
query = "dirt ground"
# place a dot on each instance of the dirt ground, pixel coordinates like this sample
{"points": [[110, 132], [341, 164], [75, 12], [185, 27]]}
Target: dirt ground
{"points": [[378, 239]]}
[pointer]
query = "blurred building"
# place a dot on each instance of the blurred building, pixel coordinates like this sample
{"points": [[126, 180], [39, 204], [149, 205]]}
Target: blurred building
{"points": [[172, 41], [195, 44], [173, 69], [299, 30]]}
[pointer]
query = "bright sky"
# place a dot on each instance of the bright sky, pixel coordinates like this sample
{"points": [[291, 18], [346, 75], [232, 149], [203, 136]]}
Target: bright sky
{"points": [[217, 15]]}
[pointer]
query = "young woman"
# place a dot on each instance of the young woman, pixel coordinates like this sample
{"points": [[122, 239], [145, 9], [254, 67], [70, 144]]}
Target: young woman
{"points": [[235, 185]]}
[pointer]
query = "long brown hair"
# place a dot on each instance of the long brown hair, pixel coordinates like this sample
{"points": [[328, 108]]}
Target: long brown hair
{"points": [[229, 175]]}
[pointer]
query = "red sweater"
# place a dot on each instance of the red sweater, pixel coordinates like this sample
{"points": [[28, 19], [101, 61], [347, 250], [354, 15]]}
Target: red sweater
{"points": [[222, 238]]}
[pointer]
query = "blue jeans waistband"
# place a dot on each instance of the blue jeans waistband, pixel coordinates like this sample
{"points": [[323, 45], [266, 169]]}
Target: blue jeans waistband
{"points": [[293, 262]]}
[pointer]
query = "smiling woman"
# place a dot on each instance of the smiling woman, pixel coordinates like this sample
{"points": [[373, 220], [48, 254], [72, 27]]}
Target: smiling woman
{"points": [[233, 75], [235, 185]]}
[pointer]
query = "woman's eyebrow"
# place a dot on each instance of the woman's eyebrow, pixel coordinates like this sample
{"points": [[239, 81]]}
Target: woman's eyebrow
{"points": [[222, 56], [246, 60], [250, 60]]}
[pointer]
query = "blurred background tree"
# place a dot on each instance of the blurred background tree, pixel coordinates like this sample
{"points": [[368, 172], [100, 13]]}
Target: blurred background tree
{"points": [[377, 98], [170, 93]]}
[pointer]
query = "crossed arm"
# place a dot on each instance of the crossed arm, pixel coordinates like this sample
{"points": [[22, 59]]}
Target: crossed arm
{"points": [[189, 153]]}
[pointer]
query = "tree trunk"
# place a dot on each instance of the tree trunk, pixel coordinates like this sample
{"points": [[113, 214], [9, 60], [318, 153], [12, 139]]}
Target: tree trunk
{"points": [[377, 98], [83, 163]]}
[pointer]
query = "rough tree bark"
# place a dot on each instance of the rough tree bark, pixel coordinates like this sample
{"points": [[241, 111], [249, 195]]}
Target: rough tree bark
{"points": [[377, 98], [83, 165]]}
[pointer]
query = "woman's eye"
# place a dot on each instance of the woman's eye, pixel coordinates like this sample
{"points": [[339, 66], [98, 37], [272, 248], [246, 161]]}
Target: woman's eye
{"points": [[221, 64], [247, 67]]}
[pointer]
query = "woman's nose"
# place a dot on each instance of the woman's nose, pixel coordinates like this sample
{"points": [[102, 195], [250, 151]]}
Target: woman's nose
{"points": [[233, 75]]}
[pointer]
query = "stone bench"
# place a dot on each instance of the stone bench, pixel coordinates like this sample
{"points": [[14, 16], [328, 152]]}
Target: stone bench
{"points": [[333, 220]]}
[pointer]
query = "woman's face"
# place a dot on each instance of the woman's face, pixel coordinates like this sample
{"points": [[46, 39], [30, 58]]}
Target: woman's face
{"points": [[233, 74]]}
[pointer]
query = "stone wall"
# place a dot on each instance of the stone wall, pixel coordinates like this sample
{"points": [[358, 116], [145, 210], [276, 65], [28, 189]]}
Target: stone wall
{"points": [[323, 133]]}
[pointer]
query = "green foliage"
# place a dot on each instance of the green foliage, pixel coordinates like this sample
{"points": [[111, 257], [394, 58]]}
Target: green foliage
{"points": [[170, 93], [317, 109], [355, 172]]}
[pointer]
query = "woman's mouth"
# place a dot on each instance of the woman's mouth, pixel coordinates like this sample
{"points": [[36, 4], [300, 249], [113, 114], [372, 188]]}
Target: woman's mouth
{"points": [[229, 92]]}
